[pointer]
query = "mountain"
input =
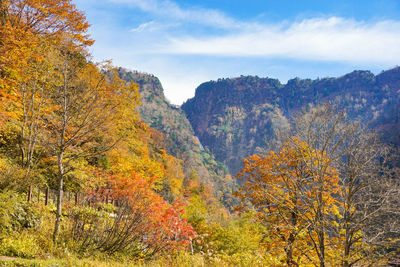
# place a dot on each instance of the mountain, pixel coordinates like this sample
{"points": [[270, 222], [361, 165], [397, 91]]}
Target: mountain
{"points": [[179, 138], [238, 117]]}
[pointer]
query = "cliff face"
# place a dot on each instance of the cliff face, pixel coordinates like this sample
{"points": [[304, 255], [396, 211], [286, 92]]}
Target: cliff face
{"points": [[235, 118], [179, 138]]}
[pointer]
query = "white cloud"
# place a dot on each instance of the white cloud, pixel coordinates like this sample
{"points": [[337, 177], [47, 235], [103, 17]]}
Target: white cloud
{"points": [[153, 26], [147, 26], [171, 10], [178, 90], [328, 39]]}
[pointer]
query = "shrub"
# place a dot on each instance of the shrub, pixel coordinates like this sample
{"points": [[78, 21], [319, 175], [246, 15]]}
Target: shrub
{"points": [[16, 214], [20, 245]]}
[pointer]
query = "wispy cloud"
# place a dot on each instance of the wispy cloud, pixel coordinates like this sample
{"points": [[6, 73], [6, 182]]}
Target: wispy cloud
{"points": [[153, 26], [147, 26], [171, 10], [329, 39], [325, 38]]}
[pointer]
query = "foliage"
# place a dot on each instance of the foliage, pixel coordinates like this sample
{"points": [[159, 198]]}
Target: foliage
{"points": [[22, 245], [15, 213], [140, 226], [293, 194], [182, 259], [20, 222], [220, 236], [240, 259], [368, 190]]}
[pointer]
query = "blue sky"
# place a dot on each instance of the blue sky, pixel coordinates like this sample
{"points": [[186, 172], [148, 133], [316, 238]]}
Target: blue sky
{"points": [[185, 43]]}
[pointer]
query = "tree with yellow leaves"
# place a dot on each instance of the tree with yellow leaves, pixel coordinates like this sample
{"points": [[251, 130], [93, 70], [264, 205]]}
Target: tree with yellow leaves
{"points": [[86, 108], [368, 194], [293, 192]]}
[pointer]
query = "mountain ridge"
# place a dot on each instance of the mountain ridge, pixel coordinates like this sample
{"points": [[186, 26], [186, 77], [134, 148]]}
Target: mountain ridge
{"points": [[225, 114]]}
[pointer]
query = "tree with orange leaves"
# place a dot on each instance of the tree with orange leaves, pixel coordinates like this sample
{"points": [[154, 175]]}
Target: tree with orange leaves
{"points": [[30, 31], [23, 23], [293, 193], [143, 223]]}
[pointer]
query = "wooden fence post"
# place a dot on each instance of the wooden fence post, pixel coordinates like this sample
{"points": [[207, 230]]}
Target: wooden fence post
{"points": [[30, 193], [76, 198], [46, 201], [38, 194]]}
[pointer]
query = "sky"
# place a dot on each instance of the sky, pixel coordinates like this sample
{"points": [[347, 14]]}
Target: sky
{"points": [[186, 43]]}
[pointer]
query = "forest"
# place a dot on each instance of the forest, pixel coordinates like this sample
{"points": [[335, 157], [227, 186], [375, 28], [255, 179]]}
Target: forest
{"points": [[84, 181]]}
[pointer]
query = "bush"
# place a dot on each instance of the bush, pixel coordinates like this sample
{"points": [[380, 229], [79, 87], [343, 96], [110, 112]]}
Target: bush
{"points": [[17, 220], [20, 245], [16, 214], [105, 229], [222, 235]]}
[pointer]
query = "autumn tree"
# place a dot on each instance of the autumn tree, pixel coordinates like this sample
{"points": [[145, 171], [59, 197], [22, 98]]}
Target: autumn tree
{"points": [[85, 108], [171, 184], [291, 197], [319, 132], [33, 103], [368, 191], [23, 22], [48, 18], [26, 102], [369, 195], [24, 26]]}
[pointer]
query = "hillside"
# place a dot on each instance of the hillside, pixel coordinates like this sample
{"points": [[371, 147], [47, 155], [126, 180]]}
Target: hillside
{"points": [[241, 116], [180, 140]]}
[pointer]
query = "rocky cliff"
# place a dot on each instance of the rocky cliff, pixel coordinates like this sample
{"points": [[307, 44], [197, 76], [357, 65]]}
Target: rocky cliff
{"points": [[237, 117]]}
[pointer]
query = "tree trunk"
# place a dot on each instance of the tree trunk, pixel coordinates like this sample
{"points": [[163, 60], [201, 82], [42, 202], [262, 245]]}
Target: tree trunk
{"points": [[60, 156], [59, 208], [59, 197], [289, 251], [347, 243], [290, 241], [322, 249], [321, 231]]}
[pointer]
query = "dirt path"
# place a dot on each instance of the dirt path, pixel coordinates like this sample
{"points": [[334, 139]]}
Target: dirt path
{"points": [[6, 258]]}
